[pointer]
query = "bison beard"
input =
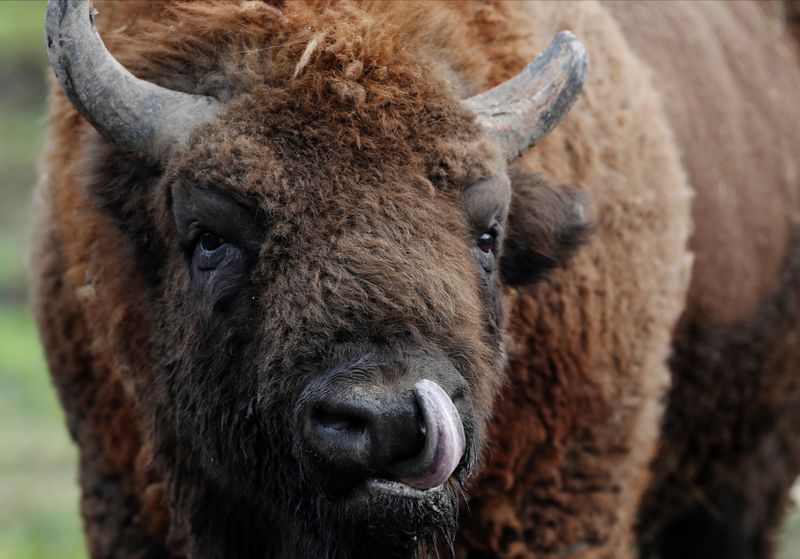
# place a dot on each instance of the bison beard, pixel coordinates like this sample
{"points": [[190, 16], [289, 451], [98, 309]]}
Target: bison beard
{"points": [[253, 480], [277, 492]]}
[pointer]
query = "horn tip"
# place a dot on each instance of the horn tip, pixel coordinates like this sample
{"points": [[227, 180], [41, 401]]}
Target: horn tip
{"points": [[566, 39]]}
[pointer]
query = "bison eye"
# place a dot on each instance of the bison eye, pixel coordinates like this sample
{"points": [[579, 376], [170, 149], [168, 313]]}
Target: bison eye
{"points": [[209, 242], [486, 242], [484, 250], [211, 251]]}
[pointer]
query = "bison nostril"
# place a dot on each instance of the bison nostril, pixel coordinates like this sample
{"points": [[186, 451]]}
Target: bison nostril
{"points": [[338, 423], [337, 437], [412, 436]]}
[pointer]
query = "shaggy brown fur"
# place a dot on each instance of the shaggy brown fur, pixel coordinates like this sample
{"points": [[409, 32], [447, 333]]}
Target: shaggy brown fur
{"points": [[736, 358], [369, 94]]}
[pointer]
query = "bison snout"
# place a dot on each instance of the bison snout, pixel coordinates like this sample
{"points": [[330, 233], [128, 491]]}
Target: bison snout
{"points": [[415, 437]]}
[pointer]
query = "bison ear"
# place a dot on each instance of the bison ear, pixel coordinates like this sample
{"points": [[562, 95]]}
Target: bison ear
{"points": [[547, 223]]}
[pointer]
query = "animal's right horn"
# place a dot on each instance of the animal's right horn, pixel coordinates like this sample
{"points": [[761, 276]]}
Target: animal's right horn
{"points": [[133, 113], [519, 112]]}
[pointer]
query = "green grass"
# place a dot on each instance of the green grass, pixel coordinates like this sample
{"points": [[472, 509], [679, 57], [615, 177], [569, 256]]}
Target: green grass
{"points": [[789, 540], [38, 490], [21, 28], [20, 143], [21, 138], [22, 73], [24, 383], [12, 271]]}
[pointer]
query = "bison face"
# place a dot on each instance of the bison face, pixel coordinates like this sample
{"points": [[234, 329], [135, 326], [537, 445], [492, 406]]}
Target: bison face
{"points": [[338, 326], [339, 333], [324, 254]]}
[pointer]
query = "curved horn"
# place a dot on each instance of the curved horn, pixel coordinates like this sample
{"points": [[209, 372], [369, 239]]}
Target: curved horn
{"points": [[519, 111], [133, 113]]}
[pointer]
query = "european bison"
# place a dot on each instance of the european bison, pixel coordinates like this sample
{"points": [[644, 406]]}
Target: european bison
{"points": [[296, 304]]}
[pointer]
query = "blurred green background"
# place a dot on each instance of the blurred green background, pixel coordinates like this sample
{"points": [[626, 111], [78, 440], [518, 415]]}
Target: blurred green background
{"points": [[38, 488]]}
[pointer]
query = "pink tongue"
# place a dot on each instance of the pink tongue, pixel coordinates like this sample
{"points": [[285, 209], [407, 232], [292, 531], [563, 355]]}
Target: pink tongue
{"points": [[444, 440]]}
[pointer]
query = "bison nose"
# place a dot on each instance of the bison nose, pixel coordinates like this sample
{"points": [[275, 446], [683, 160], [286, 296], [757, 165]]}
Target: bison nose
{"points": [[416, 438], [355, 436]]}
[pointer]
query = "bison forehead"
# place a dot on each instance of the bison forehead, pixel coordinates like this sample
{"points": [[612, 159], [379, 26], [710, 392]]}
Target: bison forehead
{"points": [[369, 280], [260, 136]]}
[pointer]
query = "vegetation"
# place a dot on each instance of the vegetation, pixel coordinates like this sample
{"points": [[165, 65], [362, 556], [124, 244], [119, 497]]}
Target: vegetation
{"points": [[38, 487]]}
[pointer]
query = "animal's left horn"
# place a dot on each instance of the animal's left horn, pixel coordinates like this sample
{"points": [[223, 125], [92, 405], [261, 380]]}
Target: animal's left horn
{"points": [[520, 111], [133, 113]]}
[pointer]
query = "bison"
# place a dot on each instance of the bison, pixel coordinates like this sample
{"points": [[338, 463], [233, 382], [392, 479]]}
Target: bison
{"points": [[306, 291]]}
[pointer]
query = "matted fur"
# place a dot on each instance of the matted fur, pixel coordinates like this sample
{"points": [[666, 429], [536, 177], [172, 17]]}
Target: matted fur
{"points": [[578, 416]]}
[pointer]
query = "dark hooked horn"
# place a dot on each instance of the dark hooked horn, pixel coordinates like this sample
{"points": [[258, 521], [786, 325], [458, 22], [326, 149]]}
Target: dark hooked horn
{"points": [[133, 113], [520, 111]]}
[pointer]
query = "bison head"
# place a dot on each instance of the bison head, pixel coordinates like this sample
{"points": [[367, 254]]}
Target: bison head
{"points": [[322, 246]]}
